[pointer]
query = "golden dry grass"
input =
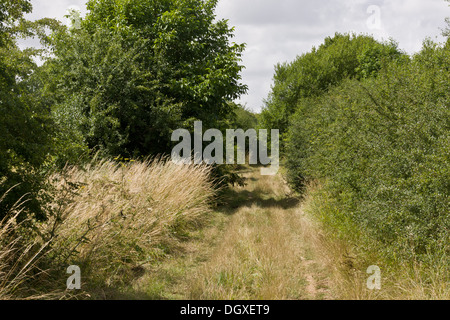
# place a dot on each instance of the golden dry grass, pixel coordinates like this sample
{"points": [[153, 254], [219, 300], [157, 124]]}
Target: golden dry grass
{"points": [[10, 258], [19, 255], [137, 231], [264, 252], [127, 215], [111, 219]]}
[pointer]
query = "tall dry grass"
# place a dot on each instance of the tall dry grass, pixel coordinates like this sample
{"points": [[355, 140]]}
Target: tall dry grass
{"points": [[111, 219], [122, 216], [19, 255]]}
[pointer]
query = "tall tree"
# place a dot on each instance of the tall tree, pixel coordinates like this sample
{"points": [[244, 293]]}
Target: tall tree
{"points": [[25, 124], [136, 70]]}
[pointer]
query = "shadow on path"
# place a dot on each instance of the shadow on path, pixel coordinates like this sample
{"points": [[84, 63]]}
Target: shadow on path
{"points": [[233, 200]]}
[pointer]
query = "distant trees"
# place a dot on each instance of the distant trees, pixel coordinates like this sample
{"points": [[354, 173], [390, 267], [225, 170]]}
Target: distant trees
{"points": [[312, 74], [242, 118]]}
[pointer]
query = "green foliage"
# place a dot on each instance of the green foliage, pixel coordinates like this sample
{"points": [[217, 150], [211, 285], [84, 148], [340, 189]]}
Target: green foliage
{"points": [[446, 31], [105, 98], [382, 145], [25, 122], [10, 13], [312, 74], [119, 82], [242, 118], [137, 70]]}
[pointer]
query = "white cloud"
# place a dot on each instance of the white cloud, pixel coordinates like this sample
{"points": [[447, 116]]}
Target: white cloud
{"points": [[55, 9], [279, 30]]}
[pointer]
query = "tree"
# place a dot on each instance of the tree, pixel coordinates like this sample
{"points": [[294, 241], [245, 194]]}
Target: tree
{"points": [[446, 31], [25, 123], [312, 74], [243, 118], [10, 13], [136, 70]]}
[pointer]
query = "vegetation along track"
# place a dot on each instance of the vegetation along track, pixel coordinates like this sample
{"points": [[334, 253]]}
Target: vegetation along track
{"points": [[260, 246]]}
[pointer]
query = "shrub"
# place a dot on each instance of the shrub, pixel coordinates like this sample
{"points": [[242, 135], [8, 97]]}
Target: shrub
{"points": [[382, 145]]}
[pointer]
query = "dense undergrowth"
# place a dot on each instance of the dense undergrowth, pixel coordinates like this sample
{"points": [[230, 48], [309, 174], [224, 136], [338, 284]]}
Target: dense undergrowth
{"points": [[379, 147]]}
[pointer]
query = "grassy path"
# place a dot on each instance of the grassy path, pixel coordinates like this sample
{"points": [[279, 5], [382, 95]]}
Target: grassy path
{"points": [[259, 246]]}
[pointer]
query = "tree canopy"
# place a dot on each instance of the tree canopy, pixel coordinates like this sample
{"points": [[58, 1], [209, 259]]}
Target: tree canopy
{"points": [[118, 82], [311, 74], [136, 70], [25, 124]]}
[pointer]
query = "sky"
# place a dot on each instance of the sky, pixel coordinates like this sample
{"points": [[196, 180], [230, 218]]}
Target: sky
{"points": [[279, 30]]}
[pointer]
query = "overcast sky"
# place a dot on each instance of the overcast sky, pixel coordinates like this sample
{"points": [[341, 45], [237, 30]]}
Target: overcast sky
{"points": [[279, 30]]}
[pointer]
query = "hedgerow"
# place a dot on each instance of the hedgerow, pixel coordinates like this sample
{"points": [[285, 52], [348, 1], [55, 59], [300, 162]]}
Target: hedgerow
{"points": [[381, 145]]}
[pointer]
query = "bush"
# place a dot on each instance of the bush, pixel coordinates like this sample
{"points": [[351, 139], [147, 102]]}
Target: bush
{"points": [[25, 122], [382, 146]]}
